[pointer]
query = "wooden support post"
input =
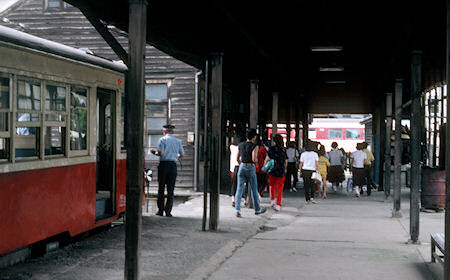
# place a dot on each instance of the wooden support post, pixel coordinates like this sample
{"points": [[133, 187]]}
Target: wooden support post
{"points": [[435, 127], [447, 157], [376, 144], [305, 130], [206, 147], [398, 148], [254, 109], [254, 104], [274, 114], [387, 145], [135, 100], [382, 152], [416, 124], [216, 139], [106, 35]]}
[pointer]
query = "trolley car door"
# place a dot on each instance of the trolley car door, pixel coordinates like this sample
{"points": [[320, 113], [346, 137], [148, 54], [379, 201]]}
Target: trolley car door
{"points": [[105, 153]]}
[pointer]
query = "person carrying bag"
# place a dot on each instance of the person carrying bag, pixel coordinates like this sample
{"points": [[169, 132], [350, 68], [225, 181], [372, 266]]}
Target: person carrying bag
{"points": [[309, 163], [277, 173]]}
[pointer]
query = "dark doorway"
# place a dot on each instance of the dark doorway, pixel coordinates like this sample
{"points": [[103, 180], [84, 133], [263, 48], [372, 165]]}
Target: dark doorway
{"points": [[105, 152]]}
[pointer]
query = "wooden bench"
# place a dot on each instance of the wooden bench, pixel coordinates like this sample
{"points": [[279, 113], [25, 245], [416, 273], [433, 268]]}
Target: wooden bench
{"points": [[437, 240]]}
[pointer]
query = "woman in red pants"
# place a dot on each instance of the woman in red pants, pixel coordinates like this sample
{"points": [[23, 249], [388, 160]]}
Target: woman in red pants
{"points": [[278, 172]]}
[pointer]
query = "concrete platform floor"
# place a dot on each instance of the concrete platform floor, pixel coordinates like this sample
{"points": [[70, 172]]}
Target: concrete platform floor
{"points": [[342, 237]]}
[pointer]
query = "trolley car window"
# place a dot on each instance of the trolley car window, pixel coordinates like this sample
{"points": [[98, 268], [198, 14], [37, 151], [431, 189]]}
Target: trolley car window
{"points": [[28, 117], [4, 122], [4, 106], [353, 133], [335, 133], [4, 149], [54, 140], [28, 96], [27, 142], [55, 117], [107, 127], [78, 118], [55, 98], [4, 93]]}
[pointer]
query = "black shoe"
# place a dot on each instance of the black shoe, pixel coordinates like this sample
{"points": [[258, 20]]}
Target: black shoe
{"points": [[168, 214], [262, 211], [238, 214], [159, 213]]}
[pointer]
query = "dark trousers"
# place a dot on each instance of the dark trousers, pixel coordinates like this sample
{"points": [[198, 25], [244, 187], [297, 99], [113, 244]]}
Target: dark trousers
{"points": [[262, 182], [167, 174], [310, 185], [368, 178], [234, 183], [291, 170]]}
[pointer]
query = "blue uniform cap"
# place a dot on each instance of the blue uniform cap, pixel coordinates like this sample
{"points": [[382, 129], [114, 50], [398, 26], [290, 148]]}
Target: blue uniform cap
{"points": [[169, 126]]}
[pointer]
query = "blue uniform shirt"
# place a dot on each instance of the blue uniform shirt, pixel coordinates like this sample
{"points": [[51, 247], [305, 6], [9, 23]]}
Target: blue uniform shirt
{"points": [[170, 147]]}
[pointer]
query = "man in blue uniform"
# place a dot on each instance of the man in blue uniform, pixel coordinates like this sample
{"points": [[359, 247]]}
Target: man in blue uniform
{"points": [[169, 150]]}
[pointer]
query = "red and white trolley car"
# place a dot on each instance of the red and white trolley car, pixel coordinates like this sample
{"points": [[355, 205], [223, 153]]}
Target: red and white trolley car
{"points": [[62, 164]]}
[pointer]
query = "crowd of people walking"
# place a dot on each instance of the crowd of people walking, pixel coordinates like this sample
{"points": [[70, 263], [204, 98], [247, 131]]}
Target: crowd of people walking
{"points": [[274, 167]]}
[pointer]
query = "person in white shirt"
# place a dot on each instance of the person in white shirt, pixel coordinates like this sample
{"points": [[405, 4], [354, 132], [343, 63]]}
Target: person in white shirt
{"points": [[357, 164], [292, 156], [309, 162]]}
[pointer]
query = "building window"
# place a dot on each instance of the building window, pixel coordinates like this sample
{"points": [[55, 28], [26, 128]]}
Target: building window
{"points": [[157, 111], [335, 133], [56, 4], [78, 118]]}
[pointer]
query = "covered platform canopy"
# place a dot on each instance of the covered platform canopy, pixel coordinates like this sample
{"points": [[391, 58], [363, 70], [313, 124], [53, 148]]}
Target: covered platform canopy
{"points": [[310, 56], [272, 42]]}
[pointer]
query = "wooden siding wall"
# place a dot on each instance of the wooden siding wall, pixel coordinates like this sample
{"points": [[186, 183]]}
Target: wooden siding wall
{"points": [[368, 134], [69, 26]]}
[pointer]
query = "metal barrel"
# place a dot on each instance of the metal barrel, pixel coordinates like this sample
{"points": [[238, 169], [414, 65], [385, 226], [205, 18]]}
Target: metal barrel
{"points": [[433, 188]]}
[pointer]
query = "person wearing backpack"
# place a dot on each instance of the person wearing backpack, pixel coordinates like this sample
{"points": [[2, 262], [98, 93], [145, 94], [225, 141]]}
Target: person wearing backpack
{"points": [[277, 173]]}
